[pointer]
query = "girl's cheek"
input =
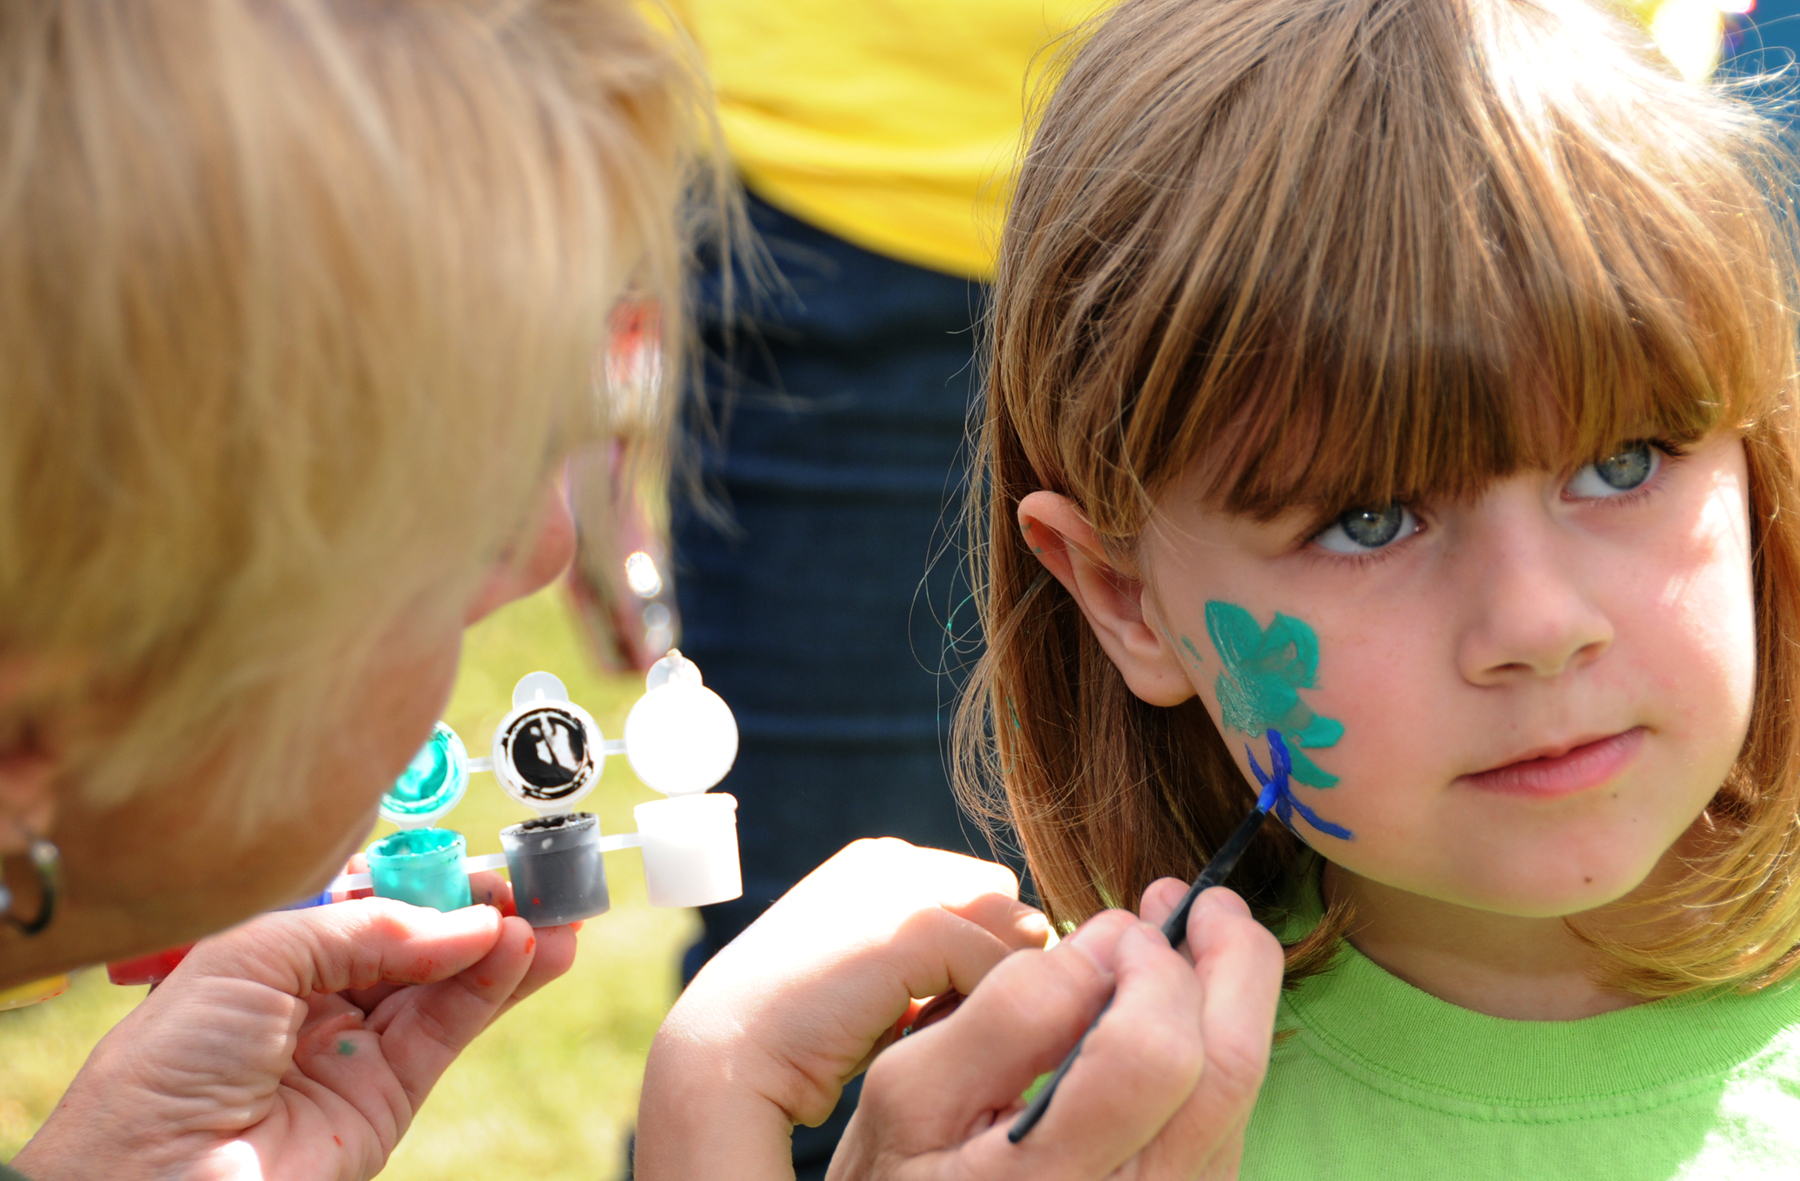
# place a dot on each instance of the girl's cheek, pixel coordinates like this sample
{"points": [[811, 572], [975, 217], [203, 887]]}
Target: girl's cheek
{"points": [[1268, 706]]}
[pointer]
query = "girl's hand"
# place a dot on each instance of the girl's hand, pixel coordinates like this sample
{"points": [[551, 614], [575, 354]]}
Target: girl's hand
{"points": [[1163, 1087], [299, 1045], [772, 1028]]}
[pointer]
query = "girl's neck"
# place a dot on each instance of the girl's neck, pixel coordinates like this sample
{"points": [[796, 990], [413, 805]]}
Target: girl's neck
{"points": [[1520, 968]]}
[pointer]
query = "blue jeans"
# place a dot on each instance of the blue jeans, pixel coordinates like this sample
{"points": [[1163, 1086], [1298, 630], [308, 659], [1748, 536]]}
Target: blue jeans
{"points": [[818, 611]]}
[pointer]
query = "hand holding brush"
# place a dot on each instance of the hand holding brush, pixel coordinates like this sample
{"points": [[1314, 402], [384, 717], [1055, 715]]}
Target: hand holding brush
{"points": [[1174, 927]]}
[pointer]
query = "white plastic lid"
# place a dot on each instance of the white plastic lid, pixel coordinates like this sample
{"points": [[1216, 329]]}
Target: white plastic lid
{"points": [[673, 667], [536, 686], [680, 737]]}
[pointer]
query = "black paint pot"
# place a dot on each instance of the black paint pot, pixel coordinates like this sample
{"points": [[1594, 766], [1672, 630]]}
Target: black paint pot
{"points": [[556, 868]]}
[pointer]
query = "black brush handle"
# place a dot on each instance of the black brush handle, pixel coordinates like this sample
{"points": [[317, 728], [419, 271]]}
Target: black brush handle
{"points": [[1174, 929]]}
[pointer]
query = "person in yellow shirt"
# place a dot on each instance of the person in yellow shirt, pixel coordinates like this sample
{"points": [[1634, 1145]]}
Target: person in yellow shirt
{"points": [[892, 126], [876, 139]]}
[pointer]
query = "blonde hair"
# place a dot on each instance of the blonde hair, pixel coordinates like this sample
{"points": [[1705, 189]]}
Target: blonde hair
{"points": [[1358, 252], [300, 303]]}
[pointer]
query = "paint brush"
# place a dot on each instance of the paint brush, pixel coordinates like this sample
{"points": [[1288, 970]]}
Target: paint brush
{"points": [[1174, 927]]}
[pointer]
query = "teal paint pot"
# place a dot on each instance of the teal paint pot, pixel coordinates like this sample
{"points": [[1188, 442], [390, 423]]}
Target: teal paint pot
{"points": [[432, 784], [423, 866]]}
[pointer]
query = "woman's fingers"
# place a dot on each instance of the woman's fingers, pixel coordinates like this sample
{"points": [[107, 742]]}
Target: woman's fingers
{"points": [[351, 945], [383, 1064], [1007, 919], [1136, 1069], [794, 1007], [488, 888], [1239, 966], [1165, 1080], [1160, 897], [552, 955], [961, 1079], [423, 1029]]}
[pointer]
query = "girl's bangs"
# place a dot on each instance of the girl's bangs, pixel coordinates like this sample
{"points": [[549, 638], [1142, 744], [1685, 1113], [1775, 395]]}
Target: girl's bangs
{"points": [[1366, 413], [1423, 303]]}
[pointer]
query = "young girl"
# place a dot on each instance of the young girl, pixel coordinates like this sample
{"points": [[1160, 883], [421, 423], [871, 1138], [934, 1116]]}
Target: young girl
{"points": [[1403, 391]]}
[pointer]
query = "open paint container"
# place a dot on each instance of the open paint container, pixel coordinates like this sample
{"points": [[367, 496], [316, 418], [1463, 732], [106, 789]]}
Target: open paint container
{"points": [[548, 754], [557, 872], [421, 864], [681, 739]]}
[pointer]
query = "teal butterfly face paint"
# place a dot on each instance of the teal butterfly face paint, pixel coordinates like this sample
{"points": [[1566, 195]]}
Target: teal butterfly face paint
{"points": [[1259, 689], [1264, 670]]}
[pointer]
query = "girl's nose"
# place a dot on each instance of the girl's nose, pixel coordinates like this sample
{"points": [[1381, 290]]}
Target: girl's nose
{"points": [[1528, 611]]}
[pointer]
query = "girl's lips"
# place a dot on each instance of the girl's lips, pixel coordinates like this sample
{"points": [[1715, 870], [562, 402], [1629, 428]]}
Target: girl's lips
{"points": [[1585, 766]]}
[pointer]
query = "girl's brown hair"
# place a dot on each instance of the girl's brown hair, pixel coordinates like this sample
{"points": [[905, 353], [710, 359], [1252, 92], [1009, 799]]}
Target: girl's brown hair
{"points": [[1342, 252]]}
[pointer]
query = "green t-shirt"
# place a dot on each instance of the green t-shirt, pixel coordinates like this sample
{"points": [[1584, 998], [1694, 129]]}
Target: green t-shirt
{"points": [[1378, 1080]]}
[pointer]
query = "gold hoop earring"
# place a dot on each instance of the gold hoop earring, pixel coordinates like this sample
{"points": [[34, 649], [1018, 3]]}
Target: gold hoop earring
{"points": [[46, 859]]}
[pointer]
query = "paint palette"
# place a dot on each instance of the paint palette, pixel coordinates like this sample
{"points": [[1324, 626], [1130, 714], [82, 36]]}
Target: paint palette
{"points": [[547, 754]]}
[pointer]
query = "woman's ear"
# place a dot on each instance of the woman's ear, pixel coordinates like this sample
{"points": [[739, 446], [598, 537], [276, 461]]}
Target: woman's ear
{"points": [[28, 766], [27, 804], [1112, 600]]}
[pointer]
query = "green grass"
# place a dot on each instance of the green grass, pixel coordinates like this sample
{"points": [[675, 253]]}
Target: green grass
{"points": [[550, 1091]]}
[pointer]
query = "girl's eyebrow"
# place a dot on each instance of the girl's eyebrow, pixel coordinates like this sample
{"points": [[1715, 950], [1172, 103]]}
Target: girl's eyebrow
{"points": [[1306, 518]]}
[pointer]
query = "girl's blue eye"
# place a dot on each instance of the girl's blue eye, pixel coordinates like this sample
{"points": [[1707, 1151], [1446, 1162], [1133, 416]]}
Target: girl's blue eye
{"points": [[1630, 467], [1362, 530]]}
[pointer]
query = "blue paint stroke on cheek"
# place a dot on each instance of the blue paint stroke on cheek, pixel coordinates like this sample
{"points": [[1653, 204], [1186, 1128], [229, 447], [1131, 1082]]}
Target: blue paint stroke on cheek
{"points": [[1277, 795], [1259, 693]]}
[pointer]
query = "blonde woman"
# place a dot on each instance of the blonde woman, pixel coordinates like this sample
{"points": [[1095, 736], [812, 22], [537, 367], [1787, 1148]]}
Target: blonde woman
{"points": [[299, 304]]}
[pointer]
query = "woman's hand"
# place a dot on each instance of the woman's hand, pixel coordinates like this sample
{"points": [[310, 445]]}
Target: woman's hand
{"points": [[1164, 1085], [772, 1028], [299, 1045]]}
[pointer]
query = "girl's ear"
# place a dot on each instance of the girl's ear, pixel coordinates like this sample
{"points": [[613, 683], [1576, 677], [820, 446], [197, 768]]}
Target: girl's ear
{"points": [[1112, 600]]}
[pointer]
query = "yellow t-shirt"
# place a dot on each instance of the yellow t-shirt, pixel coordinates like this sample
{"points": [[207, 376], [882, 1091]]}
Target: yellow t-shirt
{"points": [[895, 124], [891, 123]]}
